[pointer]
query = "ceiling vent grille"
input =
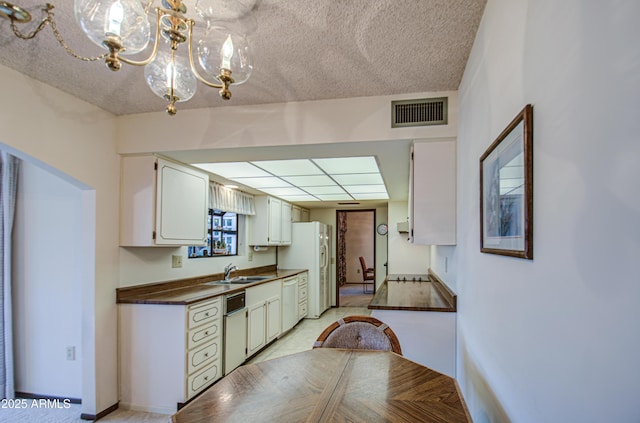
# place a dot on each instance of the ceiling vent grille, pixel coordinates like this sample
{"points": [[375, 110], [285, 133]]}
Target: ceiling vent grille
{"points": [[421, 112]]}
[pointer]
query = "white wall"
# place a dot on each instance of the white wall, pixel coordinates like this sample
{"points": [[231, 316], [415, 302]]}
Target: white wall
{"points": [[404, 257], [297, 123], [76, 140], [153, 264], [554, 339], [47, 284]]}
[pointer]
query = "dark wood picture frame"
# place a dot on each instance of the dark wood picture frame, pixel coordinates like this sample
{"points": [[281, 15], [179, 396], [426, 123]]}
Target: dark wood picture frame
{"points": [[506, 190]]}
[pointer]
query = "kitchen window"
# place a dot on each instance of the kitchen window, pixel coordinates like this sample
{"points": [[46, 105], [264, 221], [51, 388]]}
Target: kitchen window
{"points": [[222, 236]]}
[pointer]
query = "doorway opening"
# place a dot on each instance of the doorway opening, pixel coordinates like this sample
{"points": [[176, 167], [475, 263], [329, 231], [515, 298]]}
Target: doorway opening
{"points": [[355, 238]]}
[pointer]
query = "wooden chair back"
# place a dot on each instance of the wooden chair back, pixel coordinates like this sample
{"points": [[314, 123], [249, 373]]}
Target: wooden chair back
{"points": [[360, 333]]}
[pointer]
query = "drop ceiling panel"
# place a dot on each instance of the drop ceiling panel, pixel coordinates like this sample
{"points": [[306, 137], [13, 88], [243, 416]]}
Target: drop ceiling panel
{"points": [[343, 165], [265, 182], [335, 189], [304, 179], [359, 179], [362, 189], [309, 181], [289, 167]]}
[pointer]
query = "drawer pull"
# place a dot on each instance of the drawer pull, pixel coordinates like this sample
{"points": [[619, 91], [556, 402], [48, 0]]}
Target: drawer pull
{"points": [[206, 333], [206, 354], [207, 314], [206, 378]]}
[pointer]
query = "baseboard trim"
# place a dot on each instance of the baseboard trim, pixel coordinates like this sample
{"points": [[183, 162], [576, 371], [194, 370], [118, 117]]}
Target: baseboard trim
{"points": [[29, 395], [101, 414]]}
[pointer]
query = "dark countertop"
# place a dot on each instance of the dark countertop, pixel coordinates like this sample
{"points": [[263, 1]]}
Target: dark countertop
{"points": [[191, 291], [431, 295]]}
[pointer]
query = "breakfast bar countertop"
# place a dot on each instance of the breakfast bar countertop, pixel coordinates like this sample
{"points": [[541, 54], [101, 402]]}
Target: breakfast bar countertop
{"points": [[189, 291], [426, 294]]}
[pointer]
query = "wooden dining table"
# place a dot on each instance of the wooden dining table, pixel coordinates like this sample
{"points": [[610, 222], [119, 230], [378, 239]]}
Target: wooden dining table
{"points": [[326, 384]]}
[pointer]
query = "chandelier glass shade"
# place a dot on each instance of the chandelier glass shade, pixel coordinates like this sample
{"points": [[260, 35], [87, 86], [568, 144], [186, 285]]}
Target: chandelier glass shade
{"points": [[121, 20], [126, 28]]}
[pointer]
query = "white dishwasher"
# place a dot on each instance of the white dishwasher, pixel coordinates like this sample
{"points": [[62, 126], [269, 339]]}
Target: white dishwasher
{"points": [[289, 303], [235, 331]]}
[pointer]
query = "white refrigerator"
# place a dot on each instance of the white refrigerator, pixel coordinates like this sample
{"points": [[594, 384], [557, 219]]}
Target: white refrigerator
{"points": [[311, 249]]}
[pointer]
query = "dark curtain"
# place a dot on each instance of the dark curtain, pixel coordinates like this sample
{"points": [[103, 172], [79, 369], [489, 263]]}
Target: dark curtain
{"points": [[341, 249]]}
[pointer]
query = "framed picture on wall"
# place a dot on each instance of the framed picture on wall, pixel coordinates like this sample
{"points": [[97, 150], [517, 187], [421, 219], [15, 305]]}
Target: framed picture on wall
{"points": [[506, 190]]}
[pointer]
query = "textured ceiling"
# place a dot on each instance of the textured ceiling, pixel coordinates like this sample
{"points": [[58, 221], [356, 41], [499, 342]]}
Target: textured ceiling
{"points": [[302, 50]]}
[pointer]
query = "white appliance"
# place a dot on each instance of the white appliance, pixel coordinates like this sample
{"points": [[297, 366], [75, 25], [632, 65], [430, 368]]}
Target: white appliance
{"points": [[235, 331], [289, 303], [311, 249]]}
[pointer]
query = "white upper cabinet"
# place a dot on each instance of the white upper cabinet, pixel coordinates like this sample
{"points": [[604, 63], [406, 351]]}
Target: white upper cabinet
{"points": [[299, 214], [162, 203], [271, 225], [432, 199], [285, 230]]}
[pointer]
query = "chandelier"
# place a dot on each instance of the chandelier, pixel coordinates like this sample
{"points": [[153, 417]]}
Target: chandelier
{"points": [[123, 28]]}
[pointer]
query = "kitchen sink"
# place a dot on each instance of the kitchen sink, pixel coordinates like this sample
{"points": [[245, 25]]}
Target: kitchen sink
{"points": [[240, 280]]}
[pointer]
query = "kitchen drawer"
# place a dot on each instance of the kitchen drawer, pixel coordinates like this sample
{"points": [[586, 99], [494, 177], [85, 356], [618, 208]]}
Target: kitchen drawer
{"points": [[201, 355], [206, 312], [202, 379], [204, 334], [302, 292], [302, 309]]}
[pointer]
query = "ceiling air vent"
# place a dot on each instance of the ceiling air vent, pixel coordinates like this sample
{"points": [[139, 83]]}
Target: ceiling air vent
{"points": [[421, 112]]}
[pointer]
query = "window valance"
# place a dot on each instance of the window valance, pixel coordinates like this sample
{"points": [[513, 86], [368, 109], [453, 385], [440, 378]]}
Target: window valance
{"points": [[230, 200]]}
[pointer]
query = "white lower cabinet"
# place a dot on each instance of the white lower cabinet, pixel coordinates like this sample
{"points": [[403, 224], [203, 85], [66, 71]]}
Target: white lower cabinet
{"points": [[264, 315], [168, 353], [303, 295]]}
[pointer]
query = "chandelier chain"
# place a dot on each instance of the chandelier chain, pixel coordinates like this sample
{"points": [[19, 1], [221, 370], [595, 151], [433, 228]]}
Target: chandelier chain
{"points": [[49, 21]]}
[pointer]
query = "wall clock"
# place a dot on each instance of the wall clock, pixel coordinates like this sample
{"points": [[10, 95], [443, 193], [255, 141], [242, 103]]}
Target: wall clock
{"points": [[382, 229]]}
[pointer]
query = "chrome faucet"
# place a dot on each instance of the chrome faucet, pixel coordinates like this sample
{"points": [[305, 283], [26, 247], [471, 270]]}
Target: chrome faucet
{"points": [[228, 269]]}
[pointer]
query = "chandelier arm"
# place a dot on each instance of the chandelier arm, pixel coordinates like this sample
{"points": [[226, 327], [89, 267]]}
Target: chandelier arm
{"points": [[48, 20], [155, 46], [193, 65]]}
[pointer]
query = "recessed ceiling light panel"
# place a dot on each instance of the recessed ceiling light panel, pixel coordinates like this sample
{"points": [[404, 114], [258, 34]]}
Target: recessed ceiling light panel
{"points": [[309, 181], [325, 179], [335, 189], [364, 189], [299, 198], [289, 167], [359, 179], [284, 191], [348, 165], [265, 182]]}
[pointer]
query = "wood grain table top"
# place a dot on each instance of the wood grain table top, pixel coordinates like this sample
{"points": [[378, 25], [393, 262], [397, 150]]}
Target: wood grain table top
{"points": [[327, 384]]}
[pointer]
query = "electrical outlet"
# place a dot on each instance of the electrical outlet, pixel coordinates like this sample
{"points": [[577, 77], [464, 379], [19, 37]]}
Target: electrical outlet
{"points": [[71, 353], [176, 261], [250, 255], [446, 264]]}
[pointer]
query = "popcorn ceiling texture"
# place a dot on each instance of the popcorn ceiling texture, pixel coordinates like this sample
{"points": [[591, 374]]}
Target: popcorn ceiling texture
{"points": [[302, 50]]}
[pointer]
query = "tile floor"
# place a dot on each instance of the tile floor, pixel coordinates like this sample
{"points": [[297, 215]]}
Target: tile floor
{"points": [[305, 333]]}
